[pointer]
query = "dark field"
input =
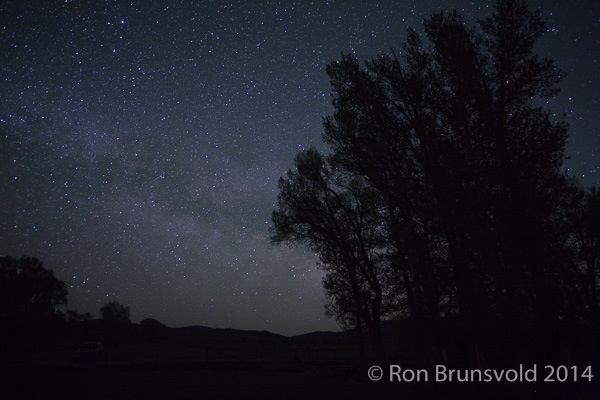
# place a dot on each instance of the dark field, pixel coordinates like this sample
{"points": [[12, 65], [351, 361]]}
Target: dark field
{"points": [[193, 363], [205, 363], [267, 379], [95, 380]]}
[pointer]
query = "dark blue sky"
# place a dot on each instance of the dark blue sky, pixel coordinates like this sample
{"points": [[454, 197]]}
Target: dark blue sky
{"points": [[141, 141]]}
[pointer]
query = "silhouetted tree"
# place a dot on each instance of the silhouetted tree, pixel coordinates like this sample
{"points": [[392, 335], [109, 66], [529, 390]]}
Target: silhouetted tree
{"points": [[115, 312], [29, 295], [116, 324], [584, 218], [462, 168], [338, 218], [29, 288]]}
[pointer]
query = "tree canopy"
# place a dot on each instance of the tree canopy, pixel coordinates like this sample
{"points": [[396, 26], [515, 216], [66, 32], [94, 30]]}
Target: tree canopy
{"points": [[443, 193], [113, 311], [29, 289], [29, 297]]}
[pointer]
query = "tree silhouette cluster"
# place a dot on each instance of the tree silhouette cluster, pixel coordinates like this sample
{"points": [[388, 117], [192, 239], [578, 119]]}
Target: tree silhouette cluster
{"points": [[29, 296], [443, 196], [31, 320], [114, 311]]}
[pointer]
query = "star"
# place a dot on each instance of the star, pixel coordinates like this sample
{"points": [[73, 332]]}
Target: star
{"points": [[141, 144]]}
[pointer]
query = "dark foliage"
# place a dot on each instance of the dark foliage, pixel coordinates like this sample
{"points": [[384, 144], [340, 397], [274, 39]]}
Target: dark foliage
{"points": [[442, 159], [115, 323], [114, 311], [29, 295]]}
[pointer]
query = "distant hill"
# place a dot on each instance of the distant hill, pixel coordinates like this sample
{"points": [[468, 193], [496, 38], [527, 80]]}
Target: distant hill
{"points": [[324, 337], [222, 335], [392, 330], [397, 331]]}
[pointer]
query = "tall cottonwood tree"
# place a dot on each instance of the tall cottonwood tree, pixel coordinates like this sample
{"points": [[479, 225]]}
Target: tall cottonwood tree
{"points": [[29, 297], [583, 232], [454, 126], [337, 216], [464, 171]]}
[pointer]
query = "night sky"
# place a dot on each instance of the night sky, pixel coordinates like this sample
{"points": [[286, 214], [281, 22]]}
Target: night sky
{"points": [[141, 141]]}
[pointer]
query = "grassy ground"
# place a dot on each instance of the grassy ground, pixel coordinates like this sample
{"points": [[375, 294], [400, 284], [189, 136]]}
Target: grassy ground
{"points": [[218, 382], [273, 379], [236, 370]]}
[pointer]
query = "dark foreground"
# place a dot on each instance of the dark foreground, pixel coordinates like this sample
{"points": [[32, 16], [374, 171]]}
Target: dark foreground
{"points": [[243, 380], [206, 363], [189, 381]]}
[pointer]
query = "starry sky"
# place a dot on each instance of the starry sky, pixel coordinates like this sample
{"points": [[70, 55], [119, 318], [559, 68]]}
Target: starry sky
{"points": [[141, 141]]}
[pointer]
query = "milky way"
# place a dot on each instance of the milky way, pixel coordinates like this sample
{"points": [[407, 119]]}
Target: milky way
{"points": [[141, 142]]}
